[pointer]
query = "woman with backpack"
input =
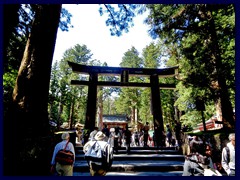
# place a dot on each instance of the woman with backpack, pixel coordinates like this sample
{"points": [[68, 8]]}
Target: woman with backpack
{"points": [[99, 155]]}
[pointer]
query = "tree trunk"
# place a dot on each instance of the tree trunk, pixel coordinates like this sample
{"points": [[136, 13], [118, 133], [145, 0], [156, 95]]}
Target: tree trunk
{"points": [[29, 144], [60, 110], [100, 117], [222, 91], [132, 114], [72, 113]]}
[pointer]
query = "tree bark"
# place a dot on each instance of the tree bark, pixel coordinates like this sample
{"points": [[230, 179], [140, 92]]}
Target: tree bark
{"points": [[71, 118], [222, 90], [29, 152], [100, 109]]}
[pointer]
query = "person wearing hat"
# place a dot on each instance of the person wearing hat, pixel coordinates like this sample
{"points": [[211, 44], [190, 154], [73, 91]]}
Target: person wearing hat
{"points": [[96, 168], [63, 170], [93, 133]]}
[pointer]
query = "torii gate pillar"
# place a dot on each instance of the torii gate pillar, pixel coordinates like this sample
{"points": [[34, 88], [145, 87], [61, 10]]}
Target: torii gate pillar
{"points": [[92, 102], [156, 109]]}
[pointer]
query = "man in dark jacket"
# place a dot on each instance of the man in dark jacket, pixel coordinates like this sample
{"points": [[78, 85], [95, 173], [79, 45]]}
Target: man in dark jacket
{"points": [[127, 135]]}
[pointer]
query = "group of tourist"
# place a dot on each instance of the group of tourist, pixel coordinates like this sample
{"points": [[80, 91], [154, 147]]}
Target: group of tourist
{"points": [[197, 163], [142, 138]]}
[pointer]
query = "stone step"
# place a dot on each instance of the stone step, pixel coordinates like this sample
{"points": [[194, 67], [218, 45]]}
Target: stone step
{"points": [[141, 161], [141, 157], [131, 173], [138, 148], [125, 166], [142, 151]]}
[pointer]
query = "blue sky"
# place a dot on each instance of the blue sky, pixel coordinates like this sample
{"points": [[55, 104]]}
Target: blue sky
{"points": [[90, 29]]}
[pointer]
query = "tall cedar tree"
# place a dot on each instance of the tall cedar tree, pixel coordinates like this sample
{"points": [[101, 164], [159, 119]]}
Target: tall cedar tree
{"points": [[28, 152], [177, 23]]}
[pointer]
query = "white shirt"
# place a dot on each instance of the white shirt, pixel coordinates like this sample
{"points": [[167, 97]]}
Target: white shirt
{"points": [[231, 165], [60, 146]]}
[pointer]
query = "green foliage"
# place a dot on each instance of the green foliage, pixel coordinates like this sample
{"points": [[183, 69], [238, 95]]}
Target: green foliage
{"points": [[129, 97], [65, 20], [120, 16], [188, 30], [145, 113], [72, 98], [151, 56], [131, 59], [109, 106], [185, 40]]}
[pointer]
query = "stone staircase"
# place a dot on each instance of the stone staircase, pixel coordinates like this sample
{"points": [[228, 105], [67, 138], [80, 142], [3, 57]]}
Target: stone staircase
{"points": [[142, 161]]}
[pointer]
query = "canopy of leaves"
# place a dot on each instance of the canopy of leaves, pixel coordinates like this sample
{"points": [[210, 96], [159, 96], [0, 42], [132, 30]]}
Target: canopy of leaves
{"points": [[120, 16], [72, 99], [188, 30]]}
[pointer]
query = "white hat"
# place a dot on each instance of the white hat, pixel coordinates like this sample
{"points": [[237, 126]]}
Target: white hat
{"points": [[99, 136], [112, 129]]}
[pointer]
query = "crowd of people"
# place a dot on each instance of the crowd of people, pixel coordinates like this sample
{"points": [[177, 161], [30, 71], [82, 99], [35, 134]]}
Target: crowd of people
{"points": [[141, 138], [199, 162]]}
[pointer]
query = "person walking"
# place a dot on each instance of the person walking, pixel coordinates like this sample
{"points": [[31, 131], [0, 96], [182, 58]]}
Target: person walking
{"points": [[145, 134], [177, 130], [93, 133], [105, 130], [112, 140], [136, 138], [100, 168], [196, 145], [61, 169], [127, 136], [169, 136], [228, 156]]}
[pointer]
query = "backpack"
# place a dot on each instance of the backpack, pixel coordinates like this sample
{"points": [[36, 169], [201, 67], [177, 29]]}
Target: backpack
{"points": [[228, 153], [96, 154], [64, 157]]}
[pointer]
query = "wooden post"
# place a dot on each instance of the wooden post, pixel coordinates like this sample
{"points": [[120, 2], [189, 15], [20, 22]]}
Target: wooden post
{"points": [[156, 108], [92, 102], [200, 106], [124, 76]]}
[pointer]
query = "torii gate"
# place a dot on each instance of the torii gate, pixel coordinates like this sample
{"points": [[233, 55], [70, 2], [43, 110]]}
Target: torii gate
{"points": [[154, 74]]}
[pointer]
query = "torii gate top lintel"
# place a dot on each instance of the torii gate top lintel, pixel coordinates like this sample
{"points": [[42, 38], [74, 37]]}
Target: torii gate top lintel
{"points": [[163, 72]]}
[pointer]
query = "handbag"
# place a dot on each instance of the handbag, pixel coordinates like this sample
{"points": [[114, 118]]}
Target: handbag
{"points": [[65, 157]]}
